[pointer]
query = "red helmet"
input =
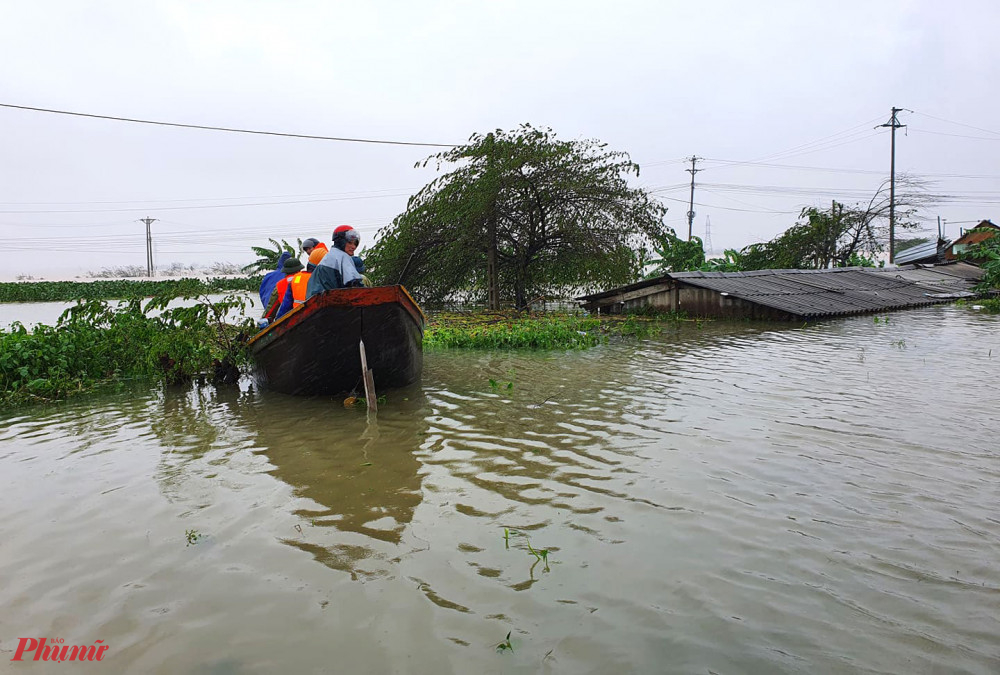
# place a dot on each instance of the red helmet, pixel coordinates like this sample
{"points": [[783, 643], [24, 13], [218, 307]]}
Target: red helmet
{"points": [[346, 233]]}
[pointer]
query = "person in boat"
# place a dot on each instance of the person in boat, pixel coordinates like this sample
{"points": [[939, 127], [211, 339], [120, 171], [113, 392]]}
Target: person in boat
{"points": [[312, 244], [359, 264], [337, 268], [271, 280], [314, 258], [291, 267], [295, 294]]}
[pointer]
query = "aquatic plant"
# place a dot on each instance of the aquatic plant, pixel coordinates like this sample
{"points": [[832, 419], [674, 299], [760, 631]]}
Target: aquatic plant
{"points": [[541, 555], [555, 330], [94, 344], [991, 306], [506, 645], [193, 536]]}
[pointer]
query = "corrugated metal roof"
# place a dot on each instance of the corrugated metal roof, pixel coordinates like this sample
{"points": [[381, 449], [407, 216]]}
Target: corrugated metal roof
{"points": [[847, 290], [928, 249], [953, 278]]}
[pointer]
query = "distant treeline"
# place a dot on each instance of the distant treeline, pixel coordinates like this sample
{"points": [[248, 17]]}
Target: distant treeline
{"points": [[44, 291]]}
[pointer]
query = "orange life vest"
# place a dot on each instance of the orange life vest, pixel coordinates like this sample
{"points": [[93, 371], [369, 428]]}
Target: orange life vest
{"points": [[299, 283], [276, 297]]}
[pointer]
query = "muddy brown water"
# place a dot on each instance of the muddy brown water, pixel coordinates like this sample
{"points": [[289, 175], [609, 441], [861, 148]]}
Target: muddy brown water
{"points": [[734, 498]]}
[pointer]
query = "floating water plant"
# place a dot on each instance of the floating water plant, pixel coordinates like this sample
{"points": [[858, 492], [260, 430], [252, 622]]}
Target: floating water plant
{"points": [[193, 536], [506, 645]]}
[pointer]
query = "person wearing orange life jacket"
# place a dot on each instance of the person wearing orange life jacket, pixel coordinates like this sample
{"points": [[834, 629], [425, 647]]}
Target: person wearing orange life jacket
{"points": [[315, 257], [291, 267], [310, 245], [295, 294]]}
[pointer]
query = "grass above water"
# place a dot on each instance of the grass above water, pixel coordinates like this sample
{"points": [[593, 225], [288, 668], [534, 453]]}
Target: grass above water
{"points": [[540, 330]]}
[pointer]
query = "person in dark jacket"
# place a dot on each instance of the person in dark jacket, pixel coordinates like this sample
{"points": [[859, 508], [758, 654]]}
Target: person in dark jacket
{"points": [[337, 269], [271, 280], [291, 267]]}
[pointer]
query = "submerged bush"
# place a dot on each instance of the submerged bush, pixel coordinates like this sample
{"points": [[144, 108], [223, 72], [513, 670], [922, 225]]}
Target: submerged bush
{"points": [[94, 344]]}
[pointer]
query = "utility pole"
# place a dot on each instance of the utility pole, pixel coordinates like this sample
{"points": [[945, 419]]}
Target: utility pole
{"points": [[692, 171], [149, 244], [893, 124], [492, 272]]}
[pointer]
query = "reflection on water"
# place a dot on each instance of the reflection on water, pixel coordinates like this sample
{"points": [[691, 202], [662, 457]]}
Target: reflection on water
{"points": [[352, 475], [730, 498]]}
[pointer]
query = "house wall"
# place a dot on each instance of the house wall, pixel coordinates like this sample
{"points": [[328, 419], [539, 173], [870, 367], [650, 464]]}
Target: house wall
{"points": [[701, 302]]}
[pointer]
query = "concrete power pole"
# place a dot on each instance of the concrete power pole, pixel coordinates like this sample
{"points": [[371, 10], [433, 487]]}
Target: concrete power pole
{"points": [[893, 124], [149, 245], [690, 214]]}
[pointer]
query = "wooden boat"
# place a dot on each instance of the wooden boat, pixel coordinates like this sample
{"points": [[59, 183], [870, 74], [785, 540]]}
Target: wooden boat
{"points": [[314, 348]]}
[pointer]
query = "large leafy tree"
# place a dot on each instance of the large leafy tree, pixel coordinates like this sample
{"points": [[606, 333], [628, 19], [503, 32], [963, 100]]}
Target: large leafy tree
{"points": [[520, 215]]}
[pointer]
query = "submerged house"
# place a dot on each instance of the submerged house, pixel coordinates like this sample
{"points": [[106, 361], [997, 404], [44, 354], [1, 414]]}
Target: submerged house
{"points": [[983, 231], [789, 295]]}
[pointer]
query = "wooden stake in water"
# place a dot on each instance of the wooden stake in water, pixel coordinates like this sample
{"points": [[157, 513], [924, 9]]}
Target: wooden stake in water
{"points": [[369, 379]]}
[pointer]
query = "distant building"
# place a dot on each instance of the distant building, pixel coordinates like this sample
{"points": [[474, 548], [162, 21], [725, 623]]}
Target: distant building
{"points": [[983, 231]]}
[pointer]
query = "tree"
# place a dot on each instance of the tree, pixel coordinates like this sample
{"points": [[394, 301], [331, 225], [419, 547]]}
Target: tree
{"points": [[840, 236], [267, 258], [676, 254], [521, 215], [986, 254]]}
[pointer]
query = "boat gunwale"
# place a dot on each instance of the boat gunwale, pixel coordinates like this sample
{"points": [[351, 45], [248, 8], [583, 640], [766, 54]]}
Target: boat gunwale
{"points": [[342, 297]]}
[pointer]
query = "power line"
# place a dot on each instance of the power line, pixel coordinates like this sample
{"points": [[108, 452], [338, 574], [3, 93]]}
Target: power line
{"points": [[364, 194], [941, 133], [960, 124], [208, 206], [342, 139]]}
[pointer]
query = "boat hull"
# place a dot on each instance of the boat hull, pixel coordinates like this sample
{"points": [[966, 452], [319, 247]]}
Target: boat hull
{"points": [[314, 349]]}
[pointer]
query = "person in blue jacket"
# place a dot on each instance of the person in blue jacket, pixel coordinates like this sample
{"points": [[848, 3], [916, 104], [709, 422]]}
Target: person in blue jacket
{"points": [[271, 280], [337, 268]]}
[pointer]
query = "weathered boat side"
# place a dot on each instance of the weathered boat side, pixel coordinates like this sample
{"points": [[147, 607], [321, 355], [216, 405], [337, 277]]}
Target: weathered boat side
{"points": [[314, 348]]}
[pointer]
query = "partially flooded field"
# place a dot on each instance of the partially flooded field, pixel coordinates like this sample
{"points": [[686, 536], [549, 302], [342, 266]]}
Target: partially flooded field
{"points": [[727, 498]]}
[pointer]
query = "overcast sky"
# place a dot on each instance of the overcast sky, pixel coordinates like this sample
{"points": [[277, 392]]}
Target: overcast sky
{"points": [[767, 84]]}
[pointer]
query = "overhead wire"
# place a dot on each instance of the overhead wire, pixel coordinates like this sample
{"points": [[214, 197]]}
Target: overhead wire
{"points": [[343, 139]]}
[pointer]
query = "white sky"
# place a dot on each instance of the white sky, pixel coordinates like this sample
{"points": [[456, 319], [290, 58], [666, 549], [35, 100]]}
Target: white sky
{"points": [[788, 83]]}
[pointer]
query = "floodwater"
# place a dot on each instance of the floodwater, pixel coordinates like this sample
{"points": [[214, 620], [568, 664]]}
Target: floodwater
{"points": [[733, 498]]}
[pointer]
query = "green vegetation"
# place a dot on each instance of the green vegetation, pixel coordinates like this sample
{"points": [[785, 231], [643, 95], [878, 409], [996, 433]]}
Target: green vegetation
{"points": [[267, 258], [46, 291], [840, 236], [987, 255], [523, 213], [193, 536], [676, 255], [94, 345], [511, 330], [506, 645], [991, 306]]}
